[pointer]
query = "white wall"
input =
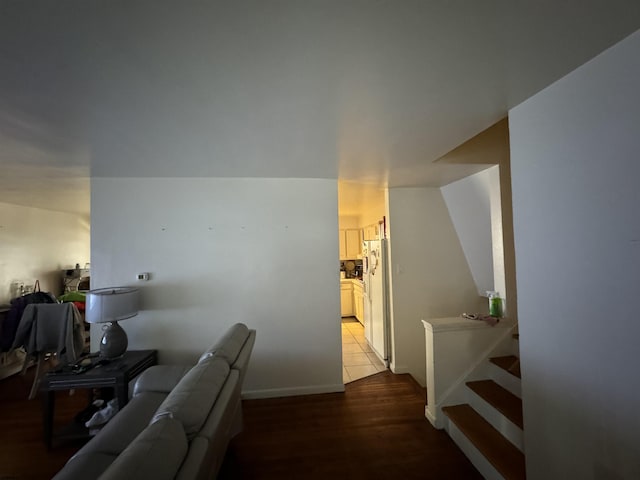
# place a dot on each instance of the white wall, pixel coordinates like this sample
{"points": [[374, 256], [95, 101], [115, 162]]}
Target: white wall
{"points": [[468, 203], [373, 207], [498, 238], [429, 274], [259, 251], [37, 244], [575, 171]]}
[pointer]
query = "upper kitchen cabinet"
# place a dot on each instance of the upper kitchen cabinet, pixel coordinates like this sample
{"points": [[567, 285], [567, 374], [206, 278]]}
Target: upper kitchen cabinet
{"points": [[343, 245], [350, 244], [354, 243], [370, 232]]}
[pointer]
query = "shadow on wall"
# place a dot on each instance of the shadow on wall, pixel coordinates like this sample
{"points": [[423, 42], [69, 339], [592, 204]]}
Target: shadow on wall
{"points": [[50, 281], [178, 296]]}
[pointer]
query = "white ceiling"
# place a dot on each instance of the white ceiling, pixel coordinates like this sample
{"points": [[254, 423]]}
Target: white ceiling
{"points": [[369, 91]]}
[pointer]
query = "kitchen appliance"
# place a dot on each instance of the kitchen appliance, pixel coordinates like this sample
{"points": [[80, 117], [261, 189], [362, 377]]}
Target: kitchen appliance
{"points": [[375, 292], [351, 269], [76, 279], [357, 272]]}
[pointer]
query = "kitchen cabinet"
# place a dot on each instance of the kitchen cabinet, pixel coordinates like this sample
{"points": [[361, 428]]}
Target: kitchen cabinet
{"points": [[370, 232], [350, 243], [346, 298], [343, 245], [354, 243], [352, 299], [358, 301]]}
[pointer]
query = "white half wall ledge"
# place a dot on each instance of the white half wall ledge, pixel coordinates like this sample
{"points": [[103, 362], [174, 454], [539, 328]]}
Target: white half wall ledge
{"points": [[292, 391], [460, 323], [456, 347]]}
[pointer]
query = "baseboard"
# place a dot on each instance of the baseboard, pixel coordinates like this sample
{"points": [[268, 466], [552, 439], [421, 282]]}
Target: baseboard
{"points": [[395, 368], [437, 423], [292, 391]]}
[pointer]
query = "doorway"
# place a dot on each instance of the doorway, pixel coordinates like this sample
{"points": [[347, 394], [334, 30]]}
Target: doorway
{"points": [[360, 208], [358, 359]]}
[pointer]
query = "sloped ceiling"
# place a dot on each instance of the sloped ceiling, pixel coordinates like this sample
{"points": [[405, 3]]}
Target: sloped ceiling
{"points": [[367, 91]]}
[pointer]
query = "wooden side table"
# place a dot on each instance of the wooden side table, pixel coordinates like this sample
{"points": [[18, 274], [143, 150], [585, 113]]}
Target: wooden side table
{"points": [[115, 374]]}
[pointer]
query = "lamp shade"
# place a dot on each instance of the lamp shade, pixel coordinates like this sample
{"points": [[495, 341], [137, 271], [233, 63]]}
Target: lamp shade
{"points": [[111, 304]]}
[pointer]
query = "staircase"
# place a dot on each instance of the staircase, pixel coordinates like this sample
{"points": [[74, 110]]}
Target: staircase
{"points": [[489, 427]]}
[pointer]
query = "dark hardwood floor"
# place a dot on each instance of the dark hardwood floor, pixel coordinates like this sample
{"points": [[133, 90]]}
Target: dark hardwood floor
{"points": [[375, 430], [23, 454]]}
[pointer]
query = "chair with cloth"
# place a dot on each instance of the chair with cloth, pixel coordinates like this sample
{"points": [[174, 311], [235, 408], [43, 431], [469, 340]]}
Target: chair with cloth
{"points": [[9, 324], [49, 328]]}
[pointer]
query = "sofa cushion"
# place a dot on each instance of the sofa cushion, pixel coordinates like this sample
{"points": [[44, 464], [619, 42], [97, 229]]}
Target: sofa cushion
{"points": [[120, 431], [192, 399], [229, 345], [156, 453], [159, 378]]}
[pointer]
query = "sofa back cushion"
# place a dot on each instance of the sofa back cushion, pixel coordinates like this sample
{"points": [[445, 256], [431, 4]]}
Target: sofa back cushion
{"points": [[229, 345], [193, 397], [159, 378], [121, 430], [156, 453]]}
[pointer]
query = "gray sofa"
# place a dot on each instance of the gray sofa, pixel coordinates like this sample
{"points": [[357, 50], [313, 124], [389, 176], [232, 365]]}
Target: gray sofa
{"points": [[178, 422]]}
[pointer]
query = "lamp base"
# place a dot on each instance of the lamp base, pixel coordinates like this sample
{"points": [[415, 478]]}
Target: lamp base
{"points": [[114, 341]]}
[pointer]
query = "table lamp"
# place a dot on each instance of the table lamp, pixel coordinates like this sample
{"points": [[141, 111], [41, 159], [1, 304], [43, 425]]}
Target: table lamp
{"points": [[110, 305]]}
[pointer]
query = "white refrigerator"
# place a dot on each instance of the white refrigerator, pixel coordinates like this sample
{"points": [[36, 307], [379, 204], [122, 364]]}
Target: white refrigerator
{"points": [[376, 304]]}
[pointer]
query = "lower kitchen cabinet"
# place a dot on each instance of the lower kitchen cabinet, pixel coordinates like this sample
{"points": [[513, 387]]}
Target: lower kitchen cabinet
{"points": [[358, 302], [346, 299]]}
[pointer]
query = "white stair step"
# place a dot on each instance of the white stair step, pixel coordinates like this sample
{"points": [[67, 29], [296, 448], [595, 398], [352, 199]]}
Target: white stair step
{"points": [[505, 378]]}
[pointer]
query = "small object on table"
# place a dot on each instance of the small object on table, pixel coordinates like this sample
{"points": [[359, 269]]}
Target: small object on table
{"points": [[488, 319], [495, 304], [114, 374]]}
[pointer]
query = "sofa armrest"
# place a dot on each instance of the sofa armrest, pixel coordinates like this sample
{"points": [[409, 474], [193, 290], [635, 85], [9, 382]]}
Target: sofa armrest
{"points": [[160, 378], [242, 360]]}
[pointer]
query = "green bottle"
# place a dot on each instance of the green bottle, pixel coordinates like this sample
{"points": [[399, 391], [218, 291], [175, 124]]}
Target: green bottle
{"points": [[495, 304]]}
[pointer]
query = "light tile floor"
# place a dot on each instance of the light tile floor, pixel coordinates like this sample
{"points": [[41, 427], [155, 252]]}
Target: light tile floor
{"points": [[358, 360]]}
